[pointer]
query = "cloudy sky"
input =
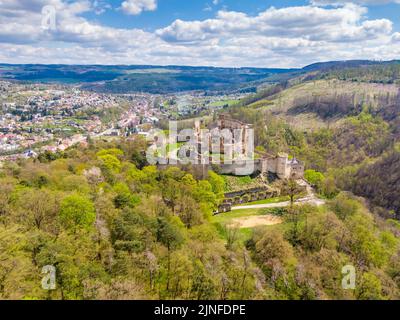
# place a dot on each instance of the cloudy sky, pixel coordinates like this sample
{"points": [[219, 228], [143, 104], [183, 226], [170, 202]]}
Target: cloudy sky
{"points": [[231, 33]]}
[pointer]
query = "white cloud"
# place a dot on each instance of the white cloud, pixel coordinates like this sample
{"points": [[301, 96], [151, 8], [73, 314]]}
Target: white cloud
{"points": [[136, 7], [396, 37], [312, 23], [100, 6], [361, 2], [286, 37]]}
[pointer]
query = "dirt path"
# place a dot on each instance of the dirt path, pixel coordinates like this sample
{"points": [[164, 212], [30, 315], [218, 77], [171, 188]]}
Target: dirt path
{"points": [[255, 221]]}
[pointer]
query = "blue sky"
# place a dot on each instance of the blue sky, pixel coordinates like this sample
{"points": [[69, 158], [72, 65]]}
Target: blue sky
{"points": [[259, 33], [169, 10]]}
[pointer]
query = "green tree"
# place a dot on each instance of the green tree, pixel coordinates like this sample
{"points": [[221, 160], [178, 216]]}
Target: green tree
{"points": [[169, 234], [314, 178], [272, 246], [344, 206], [77, 211], [38, 208], [292, 189], [369, 288], [110, 163], [217, 183]]}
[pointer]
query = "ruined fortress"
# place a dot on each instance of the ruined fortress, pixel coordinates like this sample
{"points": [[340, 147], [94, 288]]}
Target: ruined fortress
{"points": [[239, 165]]}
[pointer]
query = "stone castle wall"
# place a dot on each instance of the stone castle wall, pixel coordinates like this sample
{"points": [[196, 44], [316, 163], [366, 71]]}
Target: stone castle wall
{"points": [[279, 165]]}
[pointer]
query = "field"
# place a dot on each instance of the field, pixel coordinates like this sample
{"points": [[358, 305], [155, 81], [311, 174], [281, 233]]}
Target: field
{"points": [[246, 221]]}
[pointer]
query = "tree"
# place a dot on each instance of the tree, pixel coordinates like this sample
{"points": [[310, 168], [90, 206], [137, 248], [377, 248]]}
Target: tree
{"points": [[188, 211], [169, 234], [329, 188], [77, 211], [272, 246], [19, 277], [344, 206], [129, 232], [110, 163], [232, 235], [315, 178], [320, 231], [203, 286], [114, 152], [217, 184], [203, 193], [292, 189], [6, 188], [364, 242], [139, 158], [76, 259], [124, 197], [369, 288], [180, 274], [39, 208]]}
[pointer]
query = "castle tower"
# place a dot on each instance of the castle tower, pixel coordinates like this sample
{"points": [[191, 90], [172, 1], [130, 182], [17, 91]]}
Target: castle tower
{"points": [[282, 168]]}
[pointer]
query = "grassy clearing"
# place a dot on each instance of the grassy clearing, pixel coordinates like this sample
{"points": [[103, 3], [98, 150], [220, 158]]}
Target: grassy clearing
{"points": [[266, 201], [222, 220], [223, 103], [226, 217]]}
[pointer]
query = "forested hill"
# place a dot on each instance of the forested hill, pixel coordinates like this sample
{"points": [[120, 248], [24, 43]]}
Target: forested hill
{"points": [[170, 79], [383, 72], [344, 122], [150, 79], [115, 228]]}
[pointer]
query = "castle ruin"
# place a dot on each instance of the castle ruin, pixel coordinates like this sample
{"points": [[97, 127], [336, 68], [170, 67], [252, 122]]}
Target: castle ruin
{"points": [[230, 153]]}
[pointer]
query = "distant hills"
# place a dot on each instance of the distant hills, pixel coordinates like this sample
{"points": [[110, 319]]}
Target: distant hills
{"points": [[168, 79], [332, 65], [141, 78]]}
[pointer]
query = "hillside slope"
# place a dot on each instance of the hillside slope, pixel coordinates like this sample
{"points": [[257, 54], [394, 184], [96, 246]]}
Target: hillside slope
{"points": [[114, 229], [338, 127]]}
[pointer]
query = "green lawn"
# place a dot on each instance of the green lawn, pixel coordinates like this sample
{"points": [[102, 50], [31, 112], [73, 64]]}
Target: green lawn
{"points": [[245, 234], [223, 102], [266, 201]]}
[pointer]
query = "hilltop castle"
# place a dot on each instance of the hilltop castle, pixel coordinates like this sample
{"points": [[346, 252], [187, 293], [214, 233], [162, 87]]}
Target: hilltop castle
{"points": [[240, 165]]}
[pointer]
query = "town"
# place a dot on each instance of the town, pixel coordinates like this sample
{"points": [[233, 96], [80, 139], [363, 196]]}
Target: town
{"points": [[41, 117]]}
